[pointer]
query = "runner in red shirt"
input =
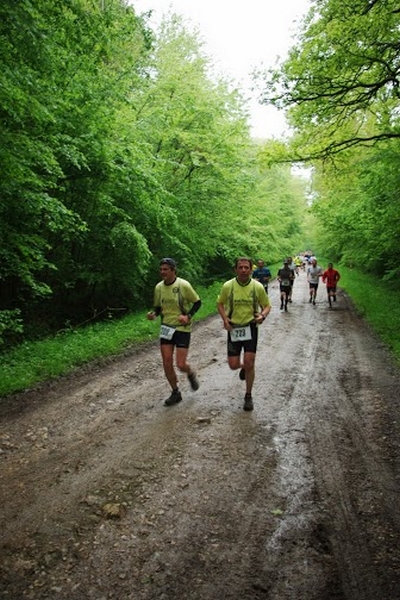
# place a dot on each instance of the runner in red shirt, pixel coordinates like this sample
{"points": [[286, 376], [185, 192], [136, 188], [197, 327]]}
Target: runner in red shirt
{"points": [[331, 276]]}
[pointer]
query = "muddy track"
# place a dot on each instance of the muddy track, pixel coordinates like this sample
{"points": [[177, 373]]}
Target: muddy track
{"points": [[105, 493]]}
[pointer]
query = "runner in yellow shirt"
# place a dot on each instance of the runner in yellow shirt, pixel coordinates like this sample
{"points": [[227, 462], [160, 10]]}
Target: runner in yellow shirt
{"points": [[176, 301], [243, 305]]}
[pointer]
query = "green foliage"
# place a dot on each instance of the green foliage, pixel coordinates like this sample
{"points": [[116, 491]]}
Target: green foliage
{"points": [[10, 323], [117, 148], [342, 72], [277, 223], [200, 146], [54, 120], [358, 211]]}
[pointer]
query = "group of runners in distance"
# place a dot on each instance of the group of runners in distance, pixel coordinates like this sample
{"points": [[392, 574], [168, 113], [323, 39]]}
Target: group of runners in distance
{"points": [[307, 262], [243, 305]]}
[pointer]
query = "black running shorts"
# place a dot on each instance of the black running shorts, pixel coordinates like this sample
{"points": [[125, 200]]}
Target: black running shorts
{"points": [[235, 348], [180, 339]]}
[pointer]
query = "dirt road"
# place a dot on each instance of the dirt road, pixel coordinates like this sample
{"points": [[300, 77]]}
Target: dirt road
{"points": [[105, 493]]}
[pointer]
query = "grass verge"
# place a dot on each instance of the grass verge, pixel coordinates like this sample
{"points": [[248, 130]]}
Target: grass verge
{"points": [[377, 302]]}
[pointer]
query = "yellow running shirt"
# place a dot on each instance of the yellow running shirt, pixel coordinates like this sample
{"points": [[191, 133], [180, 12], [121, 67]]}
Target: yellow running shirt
{"points": [[174, 300], [242, 301]]}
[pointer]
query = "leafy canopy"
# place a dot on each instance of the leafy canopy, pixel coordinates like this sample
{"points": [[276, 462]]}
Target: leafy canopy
{"points": [[344, 68]]}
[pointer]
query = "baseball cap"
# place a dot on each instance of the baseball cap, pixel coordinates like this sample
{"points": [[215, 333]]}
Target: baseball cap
{"points": [[168, 261]]}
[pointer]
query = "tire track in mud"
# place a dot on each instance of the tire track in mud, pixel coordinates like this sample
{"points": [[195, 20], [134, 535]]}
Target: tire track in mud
{"points": [[331, 451]]}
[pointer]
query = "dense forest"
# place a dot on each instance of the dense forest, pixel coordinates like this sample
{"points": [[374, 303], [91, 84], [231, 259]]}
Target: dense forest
{"points": [[118, 146]]}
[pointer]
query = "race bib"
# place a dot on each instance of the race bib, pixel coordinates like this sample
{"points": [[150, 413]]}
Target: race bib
{"points": [[167, 332], [241, 334]]}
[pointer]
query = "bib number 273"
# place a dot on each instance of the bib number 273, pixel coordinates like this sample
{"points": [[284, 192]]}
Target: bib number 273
{"points": [[241, 334]]}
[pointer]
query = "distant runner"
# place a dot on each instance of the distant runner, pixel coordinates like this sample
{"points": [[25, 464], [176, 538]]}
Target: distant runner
{"points": [[314, 272], [285, 277], [262, 274]]}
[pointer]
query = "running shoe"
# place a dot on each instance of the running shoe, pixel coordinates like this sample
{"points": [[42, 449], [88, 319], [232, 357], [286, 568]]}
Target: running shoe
{"points": [[242, 374], [194, 384], [310, 300], [174, 398], [248, 402]]}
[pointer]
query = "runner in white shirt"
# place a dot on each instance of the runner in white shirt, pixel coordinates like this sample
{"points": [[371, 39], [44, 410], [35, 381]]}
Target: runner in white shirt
{"points": [[314, 272]]}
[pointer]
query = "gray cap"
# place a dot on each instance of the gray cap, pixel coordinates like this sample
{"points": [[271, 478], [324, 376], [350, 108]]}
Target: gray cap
{"points": [[168, 261]]}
